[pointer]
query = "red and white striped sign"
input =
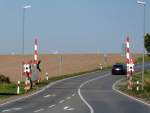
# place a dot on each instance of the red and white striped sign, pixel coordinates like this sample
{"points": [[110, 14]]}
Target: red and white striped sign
{"points": [[129, 60], [35, 52], [27, 69]]}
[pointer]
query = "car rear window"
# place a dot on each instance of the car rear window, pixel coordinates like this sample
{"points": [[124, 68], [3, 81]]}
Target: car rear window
{"points": [[118, 66]]}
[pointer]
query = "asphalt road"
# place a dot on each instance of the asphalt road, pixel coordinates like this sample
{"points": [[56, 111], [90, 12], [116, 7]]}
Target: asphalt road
{"points": [[88, 93]]}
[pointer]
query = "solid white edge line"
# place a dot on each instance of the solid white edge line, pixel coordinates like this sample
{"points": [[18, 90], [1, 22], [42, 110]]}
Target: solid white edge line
{"points": [[39, 110], [37, 92], [133, 98], [79, 91]]}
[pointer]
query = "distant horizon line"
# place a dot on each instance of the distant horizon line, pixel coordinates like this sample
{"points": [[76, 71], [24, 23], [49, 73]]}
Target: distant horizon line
{"points": [[70, 53]]}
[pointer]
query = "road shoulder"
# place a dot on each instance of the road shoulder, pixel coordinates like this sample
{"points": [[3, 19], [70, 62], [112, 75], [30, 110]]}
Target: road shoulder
{"points": [[116, 88]]}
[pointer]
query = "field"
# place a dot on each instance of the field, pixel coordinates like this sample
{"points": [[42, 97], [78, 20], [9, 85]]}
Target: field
{"points": [[56, 65]]}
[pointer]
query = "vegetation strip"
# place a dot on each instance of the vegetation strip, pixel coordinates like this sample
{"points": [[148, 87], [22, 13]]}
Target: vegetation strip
{"points": [[10, 89], [145, 94]]}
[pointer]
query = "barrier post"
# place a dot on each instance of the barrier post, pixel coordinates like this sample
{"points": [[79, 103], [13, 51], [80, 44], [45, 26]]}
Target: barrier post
{"points": [[137, 86], [18, 87], [46, 75]]}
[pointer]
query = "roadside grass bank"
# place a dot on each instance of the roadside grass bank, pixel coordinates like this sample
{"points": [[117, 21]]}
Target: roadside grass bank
{"points": [[146, 59], [10, 89], [145, 94]]}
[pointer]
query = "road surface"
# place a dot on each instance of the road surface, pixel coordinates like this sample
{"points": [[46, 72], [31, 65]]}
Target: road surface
{"points": [[88, 93]]}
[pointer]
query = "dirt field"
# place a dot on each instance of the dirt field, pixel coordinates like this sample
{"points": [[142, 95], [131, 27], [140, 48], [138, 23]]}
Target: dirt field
{"points": [[56, 65]]}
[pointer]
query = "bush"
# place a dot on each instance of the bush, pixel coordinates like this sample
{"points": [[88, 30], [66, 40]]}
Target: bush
{"points": [[4, 79]]}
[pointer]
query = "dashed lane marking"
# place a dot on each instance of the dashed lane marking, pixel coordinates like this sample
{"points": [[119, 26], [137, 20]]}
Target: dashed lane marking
{"points": [[52, 106], [7, 110], [16, 109], [73, 94], [38, 110], [46, 96], [68, 98], [68, 108], [61, 101]]}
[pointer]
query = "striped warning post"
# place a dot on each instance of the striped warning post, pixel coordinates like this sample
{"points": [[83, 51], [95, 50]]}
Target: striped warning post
{"points": [[35, 52], [127, 55], [130, 65]]}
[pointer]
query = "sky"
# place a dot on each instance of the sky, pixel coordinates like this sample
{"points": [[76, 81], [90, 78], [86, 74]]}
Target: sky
{"points": [[72, 26]]}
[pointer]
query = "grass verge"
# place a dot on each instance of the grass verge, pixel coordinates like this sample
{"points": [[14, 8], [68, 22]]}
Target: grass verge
{"points": [[146, 59], [9, 90], [145, 94]]}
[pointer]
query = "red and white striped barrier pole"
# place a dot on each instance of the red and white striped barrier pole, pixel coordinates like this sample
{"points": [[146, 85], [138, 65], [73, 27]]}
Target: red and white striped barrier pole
{"points": [[35, 52], [36, 61], [127, 56], [128, 62], [131, 66]]}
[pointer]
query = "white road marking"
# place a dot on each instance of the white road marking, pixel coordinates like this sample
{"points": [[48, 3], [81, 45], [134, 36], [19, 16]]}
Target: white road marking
{"points": [[38, 110], [46, 87], [61, 101], [73, 94], [52, 106], [16, 109], [46, 96], [68, 108], [79, 90], [68, 98], [7, 110], [12, 109], [53, 95], [133, 98]]}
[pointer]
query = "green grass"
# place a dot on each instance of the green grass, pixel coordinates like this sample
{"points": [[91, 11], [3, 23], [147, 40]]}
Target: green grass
{"points": [[145, 94], [8, 90], [146, 59]]}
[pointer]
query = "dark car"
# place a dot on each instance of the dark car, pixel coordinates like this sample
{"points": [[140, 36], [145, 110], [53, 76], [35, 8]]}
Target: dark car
{"points": [[119, 69]]}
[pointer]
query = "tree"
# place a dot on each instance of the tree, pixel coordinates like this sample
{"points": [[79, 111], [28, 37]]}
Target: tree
{"points": [[147, 43]]}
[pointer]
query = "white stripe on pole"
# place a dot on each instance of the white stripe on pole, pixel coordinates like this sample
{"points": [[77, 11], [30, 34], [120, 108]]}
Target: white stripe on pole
{"points": [[35, 47], [27, 6], [128, 56], [127, 44], [35, 57]]}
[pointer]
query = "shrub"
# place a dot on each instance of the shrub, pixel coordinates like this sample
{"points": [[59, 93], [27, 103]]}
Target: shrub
{"points": [[4, 79]]}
